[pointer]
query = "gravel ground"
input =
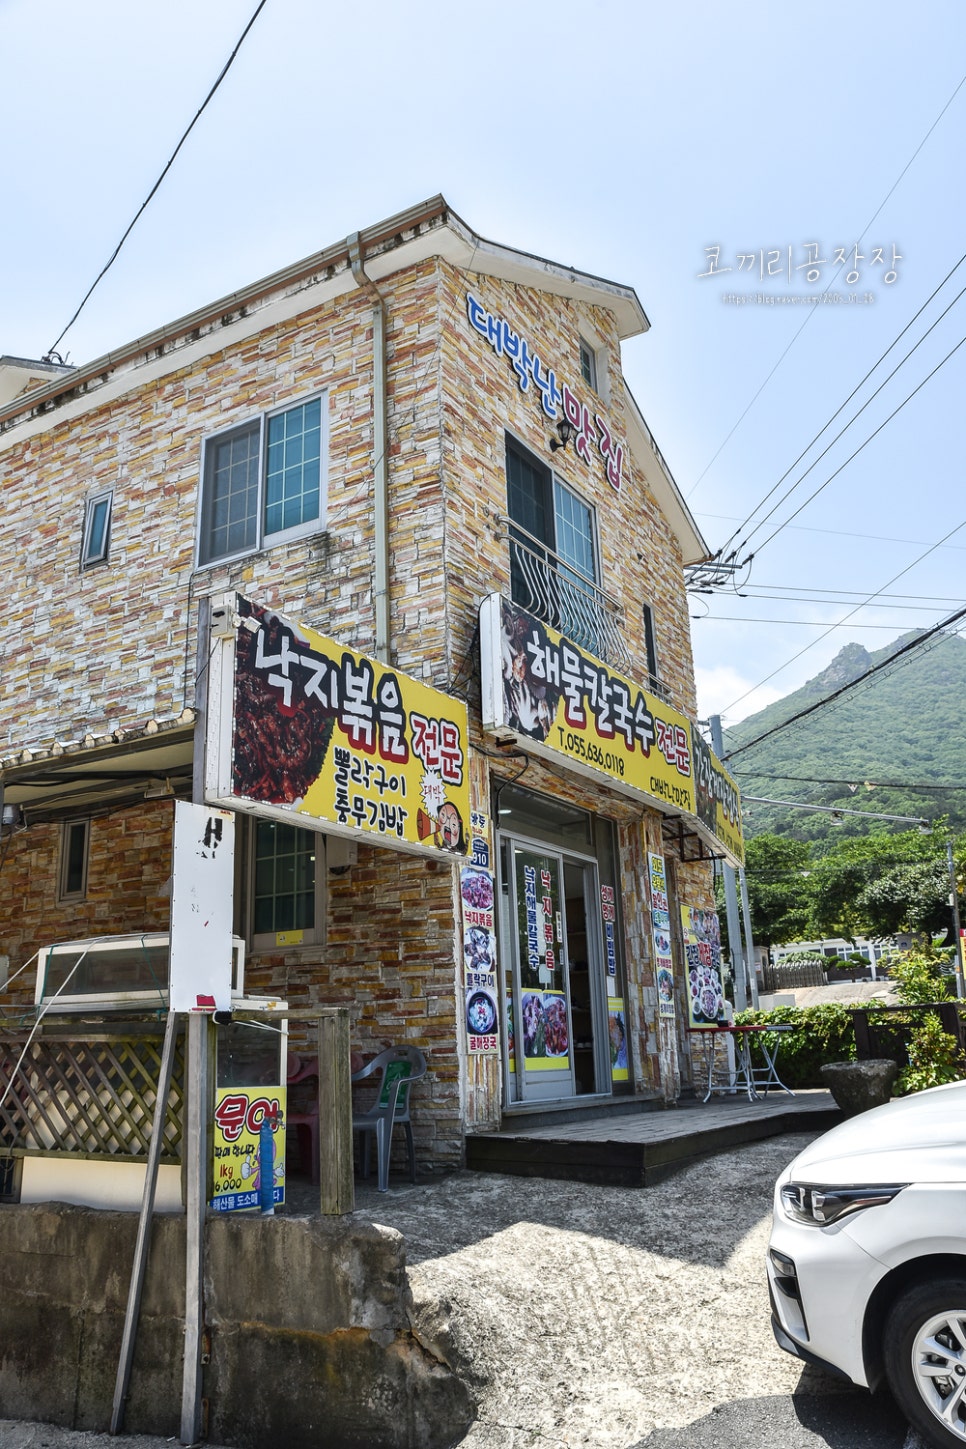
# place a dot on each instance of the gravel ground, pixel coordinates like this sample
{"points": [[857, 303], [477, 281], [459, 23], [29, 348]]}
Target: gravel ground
{"points": [[590, 1316]]}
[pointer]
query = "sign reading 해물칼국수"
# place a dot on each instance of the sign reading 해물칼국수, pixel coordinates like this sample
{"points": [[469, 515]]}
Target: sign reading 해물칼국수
{"points": [[564, 702], [301, 728]]}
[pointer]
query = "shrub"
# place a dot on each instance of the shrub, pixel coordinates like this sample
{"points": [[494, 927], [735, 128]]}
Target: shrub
{"points": [[822, 1034], [934, 1058], [918, 978]]}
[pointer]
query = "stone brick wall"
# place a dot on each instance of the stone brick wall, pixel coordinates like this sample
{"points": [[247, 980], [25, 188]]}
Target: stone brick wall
{"points": [[129, 865], [114, 646]]}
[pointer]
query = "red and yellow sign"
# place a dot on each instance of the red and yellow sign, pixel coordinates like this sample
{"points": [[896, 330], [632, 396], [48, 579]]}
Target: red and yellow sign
{"points": [[303, 727], [239, 1151]]}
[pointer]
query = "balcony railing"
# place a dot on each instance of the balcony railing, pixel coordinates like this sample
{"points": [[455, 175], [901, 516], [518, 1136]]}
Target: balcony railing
{"points": [[558, 595]]}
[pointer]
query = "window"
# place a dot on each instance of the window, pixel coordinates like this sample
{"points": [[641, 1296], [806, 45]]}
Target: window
{"points": [[588, 364], [74, 849], [264, 482], [97, 528], [650, 642], [553, 550], [287, 904]]}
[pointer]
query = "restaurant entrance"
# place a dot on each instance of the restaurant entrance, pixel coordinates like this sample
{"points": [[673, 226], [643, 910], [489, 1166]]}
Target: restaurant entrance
{"points": [[557, 951]]}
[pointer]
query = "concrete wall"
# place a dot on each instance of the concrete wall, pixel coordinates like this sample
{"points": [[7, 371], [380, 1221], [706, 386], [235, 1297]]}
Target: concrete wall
{"points": [[310, 1336]]}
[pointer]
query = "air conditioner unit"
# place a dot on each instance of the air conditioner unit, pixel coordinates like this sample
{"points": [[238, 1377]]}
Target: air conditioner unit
{"points": [[115, 973]]}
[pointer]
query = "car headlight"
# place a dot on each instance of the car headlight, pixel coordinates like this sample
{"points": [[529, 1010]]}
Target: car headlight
{"points": [[809, 1204]]}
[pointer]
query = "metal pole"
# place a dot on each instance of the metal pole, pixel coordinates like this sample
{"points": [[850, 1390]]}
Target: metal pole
{"points": [[144, 1226], [954, 902], [194, 1140], [731, 897], [194, 1145], [749, 943]]}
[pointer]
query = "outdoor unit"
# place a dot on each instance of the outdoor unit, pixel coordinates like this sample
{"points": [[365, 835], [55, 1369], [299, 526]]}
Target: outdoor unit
{"points": [[115, 973]]}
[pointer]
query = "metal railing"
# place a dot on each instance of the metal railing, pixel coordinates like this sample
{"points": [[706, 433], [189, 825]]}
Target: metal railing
{"points": [[559, 595]]}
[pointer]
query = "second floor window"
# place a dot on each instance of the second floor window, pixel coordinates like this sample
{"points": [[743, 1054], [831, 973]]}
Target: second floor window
{"points": [[264, 482], [97, 528], [553, 567]]}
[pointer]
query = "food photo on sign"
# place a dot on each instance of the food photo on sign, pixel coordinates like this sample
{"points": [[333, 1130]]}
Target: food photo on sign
{"points": [[320, 731], [702, 950]]}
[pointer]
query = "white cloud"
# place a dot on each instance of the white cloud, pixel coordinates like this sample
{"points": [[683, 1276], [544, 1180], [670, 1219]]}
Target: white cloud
{"points": [[722, 685]]}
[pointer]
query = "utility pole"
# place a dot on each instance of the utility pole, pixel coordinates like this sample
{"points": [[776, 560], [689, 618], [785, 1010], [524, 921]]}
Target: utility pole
{"points": [[738, 967], [749, 943], [954, 902]]}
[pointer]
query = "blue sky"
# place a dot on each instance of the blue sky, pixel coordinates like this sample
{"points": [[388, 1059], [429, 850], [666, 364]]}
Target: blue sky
{"points": [[625, 138]]}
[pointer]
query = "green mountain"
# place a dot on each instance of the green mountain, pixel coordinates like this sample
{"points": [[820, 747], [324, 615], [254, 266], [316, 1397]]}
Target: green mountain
{"points": [[900, 729]]}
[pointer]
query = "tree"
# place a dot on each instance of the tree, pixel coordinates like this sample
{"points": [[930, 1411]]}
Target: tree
{"points": [[880, 885], [777, 873]]}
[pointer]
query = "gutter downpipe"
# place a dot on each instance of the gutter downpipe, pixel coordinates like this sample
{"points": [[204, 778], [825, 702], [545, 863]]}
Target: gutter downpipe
{"points": [[379, 445]]}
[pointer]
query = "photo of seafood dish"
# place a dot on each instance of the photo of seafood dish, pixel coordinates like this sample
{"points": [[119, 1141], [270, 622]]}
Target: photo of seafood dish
{"points": [[279, 743], [476, 889], [534, 1025], [555, 1026], [665, 985], [481, 1014], [707, 995], [478, 949]]}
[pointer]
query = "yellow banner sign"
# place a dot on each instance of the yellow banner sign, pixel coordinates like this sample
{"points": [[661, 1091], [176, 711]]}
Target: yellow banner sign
{"points": [[562, 700], [569, 703], [321, 732]]}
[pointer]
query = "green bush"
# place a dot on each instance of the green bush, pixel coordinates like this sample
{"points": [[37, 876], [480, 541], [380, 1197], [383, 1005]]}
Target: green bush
{"points": [[934, 1058], [822, 1034], [919, 978]]}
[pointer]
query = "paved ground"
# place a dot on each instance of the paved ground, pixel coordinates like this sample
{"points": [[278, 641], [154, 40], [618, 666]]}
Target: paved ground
{"points": [[612, 1318]]}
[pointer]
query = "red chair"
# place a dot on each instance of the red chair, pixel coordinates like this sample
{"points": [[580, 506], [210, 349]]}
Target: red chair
{"points": [[302, 1115]]}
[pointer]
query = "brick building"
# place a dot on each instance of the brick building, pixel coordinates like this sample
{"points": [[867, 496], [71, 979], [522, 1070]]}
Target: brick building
{"points": [[415, 448]]}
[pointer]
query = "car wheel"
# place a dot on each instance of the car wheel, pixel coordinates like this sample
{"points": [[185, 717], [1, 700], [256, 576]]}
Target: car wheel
{"points": [[924, 1347]]}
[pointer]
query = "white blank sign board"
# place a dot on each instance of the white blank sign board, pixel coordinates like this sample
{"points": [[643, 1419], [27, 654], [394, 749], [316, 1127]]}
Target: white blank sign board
{"points": [[201, 908]]}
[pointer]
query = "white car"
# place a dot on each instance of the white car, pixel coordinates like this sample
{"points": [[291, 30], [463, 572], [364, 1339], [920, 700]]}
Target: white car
{"points": [[867, 1259]]}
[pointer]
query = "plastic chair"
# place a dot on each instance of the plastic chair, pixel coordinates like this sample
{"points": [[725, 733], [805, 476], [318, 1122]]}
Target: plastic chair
{"points": [[397, 1068], [303, 1109]]}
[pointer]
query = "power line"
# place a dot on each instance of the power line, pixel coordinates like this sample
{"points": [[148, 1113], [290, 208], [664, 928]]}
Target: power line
{"points": [[899, 575], [806, 623], [113, 257], [852, 784], [841, 532], [928, 378], [811, 312], [876, 669], [805, 450]]}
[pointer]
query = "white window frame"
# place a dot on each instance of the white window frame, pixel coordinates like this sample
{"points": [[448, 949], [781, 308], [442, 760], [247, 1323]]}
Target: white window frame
{"points": [[264, 540], [310, 936], [585, 347], [88, 558], [64, 893]]}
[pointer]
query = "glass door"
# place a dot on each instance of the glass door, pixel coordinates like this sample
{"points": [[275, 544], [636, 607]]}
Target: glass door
{"points": [[551, 971]]}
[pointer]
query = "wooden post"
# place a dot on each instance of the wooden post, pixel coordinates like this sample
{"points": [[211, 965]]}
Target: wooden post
{"points": [[335, 1113]]}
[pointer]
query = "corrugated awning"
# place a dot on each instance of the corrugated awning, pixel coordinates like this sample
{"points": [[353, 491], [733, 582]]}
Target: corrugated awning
{"points": [[151, 762]]}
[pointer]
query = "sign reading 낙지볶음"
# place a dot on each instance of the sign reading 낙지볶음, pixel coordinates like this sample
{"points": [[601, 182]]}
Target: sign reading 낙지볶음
{"points": [[305, 729]]}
